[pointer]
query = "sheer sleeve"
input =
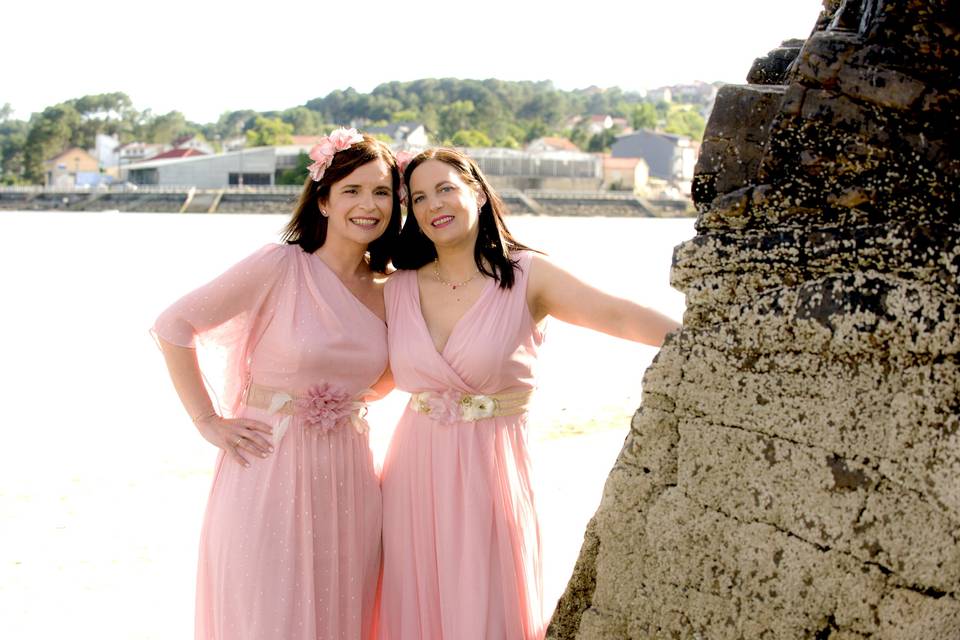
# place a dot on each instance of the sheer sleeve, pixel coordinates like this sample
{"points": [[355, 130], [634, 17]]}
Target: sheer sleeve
{"points": [[220, 319]]}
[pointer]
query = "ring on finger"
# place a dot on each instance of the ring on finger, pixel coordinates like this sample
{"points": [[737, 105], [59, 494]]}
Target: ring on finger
{"points": [[239, 440]]}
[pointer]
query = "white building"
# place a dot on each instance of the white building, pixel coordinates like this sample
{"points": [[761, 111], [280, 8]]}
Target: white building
{"points": [[106, 150], [257, 166]]}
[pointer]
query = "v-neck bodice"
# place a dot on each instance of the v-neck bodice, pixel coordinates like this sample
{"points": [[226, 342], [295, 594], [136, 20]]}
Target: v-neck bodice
{"points": [[488, 284], [317, 262], [491, 348]]}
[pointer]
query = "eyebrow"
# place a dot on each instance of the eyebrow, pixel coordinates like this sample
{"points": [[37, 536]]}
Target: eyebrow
{"points": [[357, 186], [439, 184]]}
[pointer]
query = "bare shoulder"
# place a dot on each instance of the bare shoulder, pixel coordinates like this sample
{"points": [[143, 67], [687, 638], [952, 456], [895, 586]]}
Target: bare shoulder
{"points": [[543, 271], [545, 275], [389, 280]]}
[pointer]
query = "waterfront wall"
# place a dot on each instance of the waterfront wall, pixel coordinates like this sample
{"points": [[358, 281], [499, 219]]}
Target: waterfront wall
{"points": [[281, 200]]}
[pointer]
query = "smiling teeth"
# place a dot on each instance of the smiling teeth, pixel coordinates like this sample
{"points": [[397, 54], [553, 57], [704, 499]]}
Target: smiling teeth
{"points": [[364, 223], [441, 220]]}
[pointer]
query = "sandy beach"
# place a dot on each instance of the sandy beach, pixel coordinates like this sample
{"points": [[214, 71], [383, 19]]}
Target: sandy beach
{"points": [[104, 480]]}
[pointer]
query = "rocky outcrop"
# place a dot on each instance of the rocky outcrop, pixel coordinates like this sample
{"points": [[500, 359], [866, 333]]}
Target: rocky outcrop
{"points": [[794, 469]]}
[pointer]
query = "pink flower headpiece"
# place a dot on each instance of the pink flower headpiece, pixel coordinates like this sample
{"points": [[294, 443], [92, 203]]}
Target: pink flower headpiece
{"points": [[322, 153], [403, 159]]}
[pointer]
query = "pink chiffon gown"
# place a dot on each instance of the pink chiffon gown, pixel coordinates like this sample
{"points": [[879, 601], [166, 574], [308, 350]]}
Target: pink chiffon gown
{"points": [[290, 547], [460, 533]]}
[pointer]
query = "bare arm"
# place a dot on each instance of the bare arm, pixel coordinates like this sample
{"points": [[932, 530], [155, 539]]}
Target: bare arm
{"points": [[551, 291], [230, 435]]}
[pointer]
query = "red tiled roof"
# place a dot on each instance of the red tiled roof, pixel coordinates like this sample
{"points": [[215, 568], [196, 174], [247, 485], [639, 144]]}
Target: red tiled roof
{"points": [[559, 143], [178, 153]]}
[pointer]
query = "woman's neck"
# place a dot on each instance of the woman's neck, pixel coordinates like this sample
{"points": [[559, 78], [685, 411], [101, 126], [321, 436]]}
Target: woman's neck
{"points": [[346, 259], [456, 263]]}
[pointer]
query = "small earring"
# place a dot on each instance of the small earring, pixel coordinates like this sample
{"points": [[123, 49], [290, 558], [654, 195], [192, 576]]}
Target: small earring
{"points": [[323, 213]]}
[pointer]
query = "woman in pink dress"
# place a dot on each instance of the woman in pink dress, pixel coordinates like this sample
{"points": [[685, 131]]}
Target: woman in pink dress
{"points": [[465, 316], [290, 547]]}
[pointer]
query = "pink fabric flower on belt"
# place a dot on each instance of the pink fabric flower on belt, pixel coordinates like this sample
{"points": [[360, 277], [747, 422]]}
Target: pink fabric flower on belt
{"points": [[322, 153], [445, 407], [403, 159], [324, 405]]}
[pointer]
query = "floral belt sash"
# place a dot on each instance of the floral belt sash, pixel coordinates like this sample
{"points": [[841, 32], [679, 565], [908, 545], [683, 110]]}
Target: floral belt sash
{"points": [[453, 406], [322, 407]]}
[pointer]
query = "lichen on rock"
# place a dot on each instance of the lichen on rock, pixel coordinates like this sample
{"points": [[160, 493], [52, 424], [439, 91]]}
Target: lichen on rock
{"points": [[794, 468]]}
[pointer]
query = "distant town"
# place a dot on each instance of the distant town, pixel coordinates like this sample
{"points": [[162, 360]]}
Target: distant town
{"points": [[589, 152]]}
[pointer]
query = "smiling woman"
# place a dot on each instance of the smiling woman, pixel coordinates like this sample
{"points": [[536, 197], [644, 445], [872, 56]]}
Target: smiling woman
{"points": [[465, 316], [290, 546], [356, 195]]}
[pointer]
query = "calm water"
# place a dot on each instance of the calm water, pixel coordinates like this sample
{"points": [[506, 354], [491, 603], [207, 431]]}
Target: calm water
{"points": [[104, 482]]}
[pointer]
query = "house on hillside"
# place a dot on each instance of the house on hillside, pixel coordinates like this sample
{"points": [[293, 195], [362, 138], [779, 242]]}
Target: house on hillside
{"points": [[72, 168], [598, 124], [405, 135], [551, 143], [136, 151], [661, 94], [234, 143], [193, 141], [625, 174], [670, 158]]}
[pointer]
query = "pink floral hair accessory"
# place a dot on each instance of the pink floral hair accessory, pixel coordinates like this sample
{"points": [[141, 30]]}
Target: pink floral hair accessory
{"points": [[403, 159], [322, 153]]}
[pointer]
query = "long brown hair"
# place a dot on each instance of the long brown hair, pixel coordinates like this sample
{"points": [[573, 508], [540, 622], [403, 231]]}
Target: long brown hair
{"points": [[494, 243], [308, 228]]}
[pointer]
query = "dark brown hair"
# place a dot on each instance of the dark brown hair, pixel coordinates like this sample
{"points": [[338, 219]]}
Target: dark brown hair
{"points": [[308, 228], [494, 243]]}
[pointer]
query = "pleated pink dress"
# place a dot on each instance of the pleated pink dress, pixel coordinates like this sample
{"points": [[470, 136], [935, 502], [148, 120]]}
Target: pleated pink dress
{"points": [[290, 547], [460, 533]]}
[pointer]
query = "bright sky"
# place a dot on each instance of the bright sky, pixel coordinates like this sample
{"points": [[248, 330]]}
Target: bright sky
{"points": [[204, 57]]}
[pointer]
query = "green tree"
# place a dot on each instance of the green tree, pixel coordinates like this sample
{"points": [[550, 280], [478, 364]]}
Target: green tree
{"points": [[535, 129], [685, 122], [166, 128], [304, 121], [405, 115], [269, 132], [470, 138], [232, 123], [51, 132], [601, 142], [13, 137], [579, 135], [298, 174], [107, 113], [430, 118], [643, 116], [454, 117]]}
